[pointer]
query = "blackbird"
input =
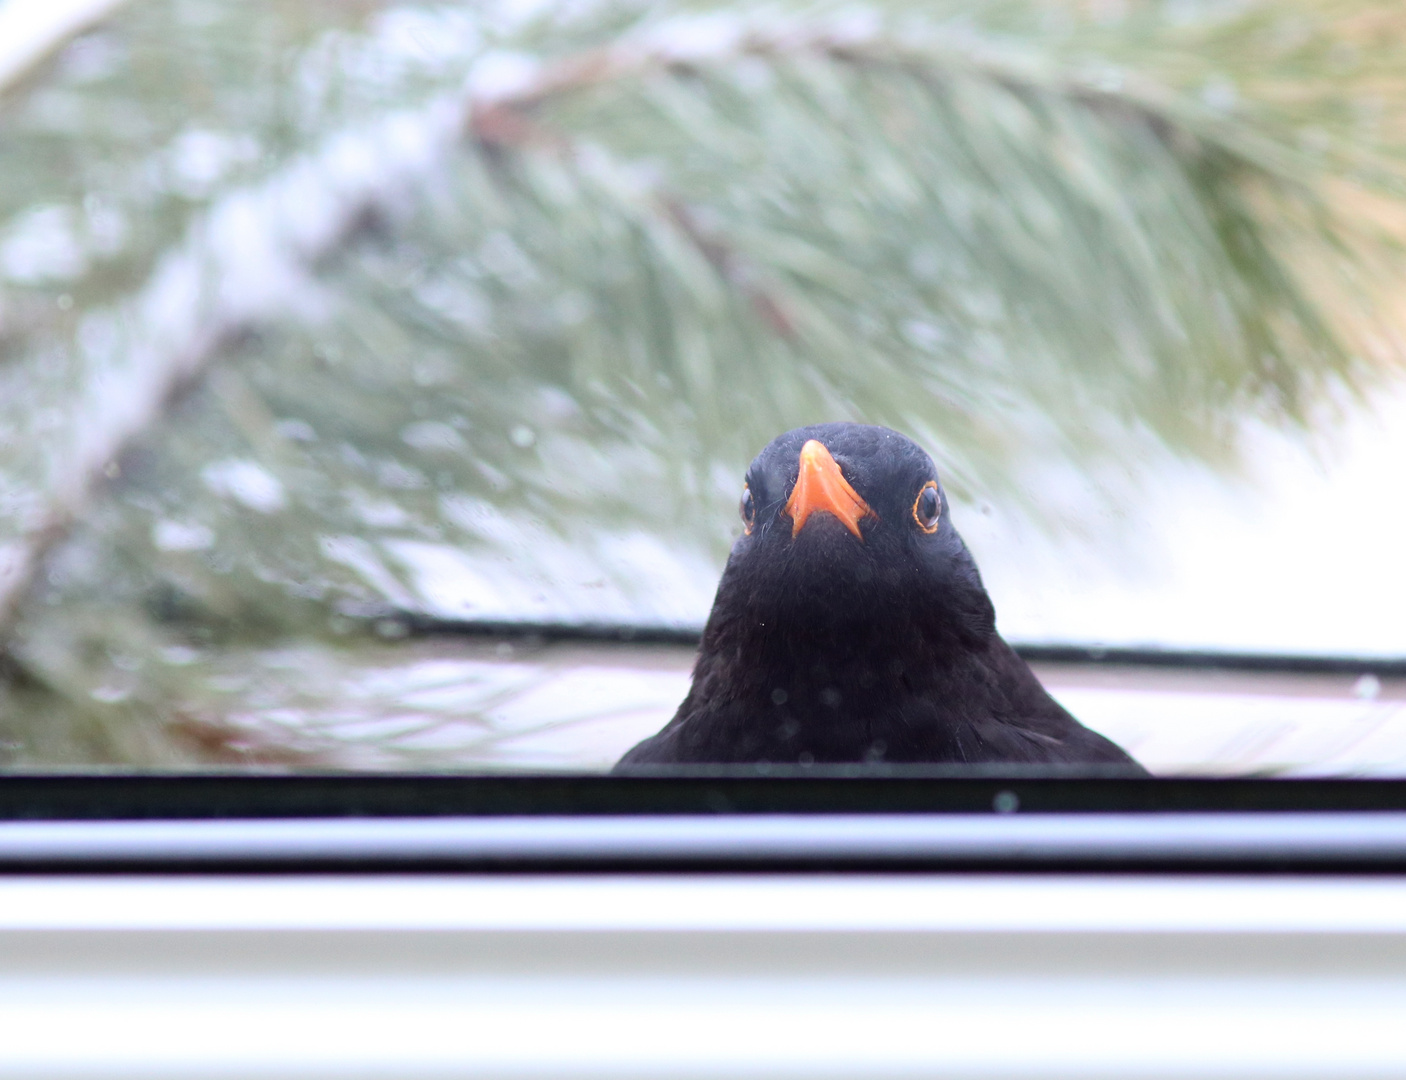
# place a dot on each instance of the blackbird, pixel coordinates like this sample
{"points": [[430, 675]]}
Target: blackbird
{"points": [[851, 626]]}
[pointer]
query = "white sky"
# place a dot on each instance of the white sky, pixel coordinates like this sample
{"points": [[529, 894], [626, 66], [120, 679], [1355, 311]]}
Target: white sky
{"points": [[1310, 557]]}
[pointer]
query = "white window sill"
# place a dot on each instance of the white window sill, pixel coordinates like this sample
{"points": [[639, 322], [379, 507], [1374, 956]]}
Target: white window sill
{"points": [[712, 975]]}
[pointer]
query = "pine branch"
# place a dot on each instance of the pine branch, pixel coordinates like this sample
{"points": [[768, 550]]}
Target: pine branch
{"points": [[245, 262], [508, 125], [216, 288]]}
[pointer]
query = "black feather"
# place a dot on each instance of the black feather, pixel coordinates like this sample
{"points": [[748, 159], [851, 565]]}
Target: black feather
{"points": [[821, 648]]}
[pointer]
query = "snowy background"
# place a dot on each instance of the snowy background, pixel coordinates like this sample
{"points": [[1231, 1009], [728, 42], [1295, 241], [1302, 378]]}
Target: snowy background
{"points": [[313, 316]]}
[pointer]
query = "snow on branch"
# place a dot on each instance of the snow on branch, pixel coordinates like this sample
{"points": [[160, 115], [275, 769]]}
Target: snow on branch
{"points": [[246, 262], [31, 30], [514, 82]]}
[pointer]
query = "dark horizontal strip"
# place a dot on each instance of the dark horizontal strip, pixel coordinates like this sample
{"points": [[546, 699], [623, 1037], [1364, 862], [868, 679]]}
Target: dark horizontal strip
{"points": [[620, 633], [1041, 841], [1206, 659], [623, 633], [683, 792]]}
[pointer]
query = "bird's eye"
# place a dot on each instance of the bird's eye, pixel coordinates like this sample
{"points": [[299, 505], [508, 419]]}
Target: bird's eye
{"points": [[926, 507], [748, 509]]}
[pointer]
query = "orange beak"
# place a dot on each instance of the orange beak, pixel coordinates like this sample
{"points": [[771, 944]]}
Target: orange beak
{"points": [[821, 486]]}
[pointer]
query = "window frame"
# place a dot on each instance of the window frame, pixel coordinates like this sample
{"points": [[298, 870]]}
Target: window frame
{"points": [[719, 821]]}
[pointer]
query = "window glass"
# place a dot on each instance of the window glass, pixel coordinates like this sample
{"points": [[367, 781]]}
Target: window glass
{"points": [[378, 381]]}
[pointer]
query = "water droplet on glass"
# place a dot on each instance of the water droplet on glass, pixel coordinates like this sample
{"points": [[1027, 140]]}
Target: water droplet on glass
{"points": [[1367, 687], [391, 629]]}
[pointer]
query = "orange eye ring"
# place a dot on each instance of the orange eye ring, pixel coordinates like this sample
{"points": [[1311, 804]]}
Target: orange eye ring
{"points": [[748, 510], [927, 509]]}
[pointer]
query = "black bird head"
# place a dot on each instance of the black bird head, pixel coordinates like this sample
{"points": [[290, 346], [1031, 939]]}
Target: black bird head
{"points": [[848, 540]]}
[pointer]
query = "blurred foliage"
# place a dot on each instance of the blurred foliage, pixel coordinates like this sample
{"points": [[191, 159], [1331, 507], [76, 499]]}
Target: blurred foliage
{"points": [[1049, 240]]}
